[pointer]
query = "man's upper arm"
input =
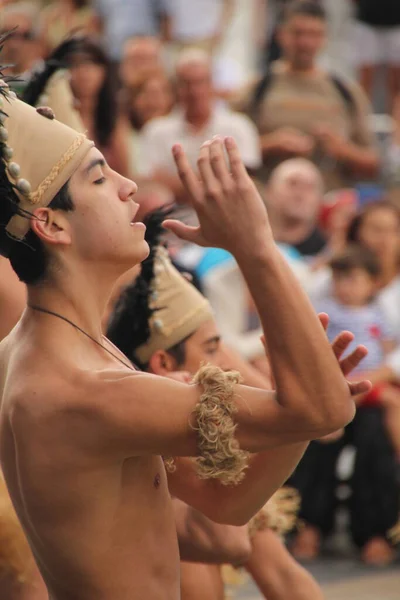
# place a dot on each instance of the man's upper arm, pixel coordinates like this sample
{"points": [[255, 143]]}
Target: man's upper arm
{"points": [[139, 414], [146, 414], [362, 133]]}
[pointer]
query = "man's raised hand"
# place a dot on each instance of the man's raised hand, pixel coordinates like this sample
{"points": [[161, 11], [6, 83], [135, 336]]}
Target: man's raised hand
{"points": [[230, 210]]}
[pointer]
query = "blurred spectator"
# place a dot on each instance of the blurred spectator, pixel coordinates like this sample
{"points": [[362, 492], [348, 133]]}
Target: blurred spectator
{"points": [[125, 19], [268, 16], [23, 49], [377, 228], [300, 110], [393, 155], [139, 54], [148, 98], [374, 502], [197, 120], [94, 86], [63, 17], [198, 23], [351, 304], [377, 44], [293, 197], [337, 211]]}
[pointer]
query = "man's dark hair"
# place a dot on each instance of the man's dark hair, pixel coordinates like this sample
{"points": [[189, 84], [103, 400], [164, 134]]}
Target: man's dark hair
{"points": [[304, 8], [28, 257], [356, 257]]}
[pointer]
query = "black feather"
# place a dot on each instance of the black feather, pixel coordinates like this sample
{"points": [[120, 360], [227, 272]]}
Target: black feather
{"points": [[8, 198], [129, 326]]}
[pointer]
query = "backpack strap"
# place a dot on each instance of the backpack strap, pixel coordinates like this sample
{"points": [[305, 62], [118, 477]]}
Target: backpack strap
{"points": [[345, 93], [266, 81], [260, 90]]}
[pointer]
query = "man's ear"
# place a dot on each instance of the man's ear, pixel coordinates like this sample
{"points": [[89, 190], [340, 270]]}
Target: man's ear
{"points": [[162, 363], [51, 226]]}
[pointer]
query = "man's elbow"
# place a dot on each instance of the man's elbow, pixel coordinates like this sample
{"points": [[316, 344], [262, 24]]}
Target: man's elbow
{"points": [[236, 545], [369, 166], [336, 416]]}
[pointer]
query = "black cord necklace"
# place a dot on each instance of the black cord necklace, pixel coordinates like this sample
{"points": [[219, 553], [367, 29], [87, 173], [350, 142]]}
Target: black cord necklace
{"points": [[54, 314]]}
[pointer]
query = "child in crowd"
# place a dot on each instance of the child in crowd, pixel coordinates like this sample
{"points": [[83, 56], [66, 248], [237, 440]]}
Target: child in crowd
{"points": [[351, 305]]}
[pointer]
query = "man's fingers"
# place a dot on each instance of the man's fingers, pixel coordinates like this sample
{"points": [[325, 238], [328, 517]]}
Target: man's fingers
{"points": [[341, 343], [189, 234], [186, 174], [210, 182], [352, 361], [218, 163], [324, 320], [360, 387], [237, 167]]}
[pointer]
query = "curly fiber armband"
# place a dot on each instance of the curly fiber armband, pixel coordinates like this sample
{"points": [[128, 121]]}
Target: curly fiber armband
{"points": [[220, 456], [279, 513]]}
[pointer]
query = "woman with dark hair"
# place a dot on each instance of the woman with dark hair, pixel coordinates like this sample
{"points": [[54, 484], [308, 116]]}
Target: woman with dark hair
{"points": [[94, 86]]}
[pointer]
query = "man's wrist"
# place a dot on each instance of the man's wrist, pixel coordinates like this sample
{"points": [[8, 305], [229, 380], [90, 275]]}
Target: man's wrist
{"points": [[257, 254]]}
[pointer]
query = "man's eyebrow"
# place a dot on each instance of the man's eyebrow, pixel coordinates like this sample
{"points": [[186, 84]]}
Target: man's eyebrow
{"points": [[212, 340], [96, 162]]}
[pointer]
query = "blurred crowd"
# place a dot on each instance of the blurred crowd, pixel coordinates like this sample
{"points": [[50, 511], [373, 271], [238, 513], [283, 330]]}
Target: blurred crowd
{"points": [[323, 146]]}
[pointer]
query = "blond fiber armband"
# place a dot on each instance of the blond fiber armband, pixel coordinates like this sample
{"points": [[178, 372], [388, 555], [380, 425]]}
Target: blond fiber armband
{"points": [[280, 513], [220, 456]]}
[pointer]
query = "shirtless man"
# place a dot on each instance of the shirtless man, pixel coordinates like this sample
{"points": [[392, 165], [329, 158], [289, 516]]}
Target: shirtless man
{"points": [[81, 433]]}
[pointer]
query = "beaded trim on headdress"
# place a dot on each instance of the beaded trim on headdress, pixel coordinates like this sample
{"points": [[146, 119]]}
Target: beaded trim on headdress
{"points": [[22, 185]]}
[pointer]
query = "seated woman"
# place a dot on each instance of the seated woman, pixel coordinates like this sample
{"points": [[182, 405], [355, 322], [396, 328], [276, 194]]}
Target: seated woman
{"points": [[149, 97]]}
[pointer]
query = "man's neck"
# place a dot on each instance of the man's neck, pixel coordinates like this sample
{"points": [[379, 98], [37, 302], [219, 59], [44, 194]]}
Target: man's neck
{"points": [[290, 67], [87, 106], [78, 296], [198, 119], [290, 231]]}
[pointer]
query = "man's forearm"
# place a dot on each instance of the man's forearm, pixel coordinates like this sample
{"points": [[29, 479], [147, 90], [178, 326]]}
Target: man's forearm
{"points": [[308, 378], [202, 540], [236, 505], [269, 145], [364, 161]]}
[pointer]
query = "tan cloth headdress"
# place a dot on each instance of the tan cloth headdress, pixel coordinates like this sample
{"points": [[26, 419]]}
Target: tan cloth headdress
{"points": [[39, 155], [179, 308]]}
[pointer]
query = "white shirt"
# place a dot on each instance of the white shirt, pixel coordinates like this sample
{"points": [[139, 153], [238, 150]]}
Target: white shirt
{"points": [[194, 19], [161, 134]]}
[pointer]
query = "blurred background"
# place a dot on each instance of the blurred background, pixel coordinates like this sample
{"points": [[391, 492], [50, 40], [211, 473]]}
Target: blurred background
{"points": [[311, 92]]}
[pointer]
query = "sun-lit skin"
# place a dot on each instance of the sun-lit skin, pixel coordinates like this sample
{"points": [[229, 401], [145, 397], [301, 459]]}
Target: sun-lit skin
{"points": [[81, 435]]}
